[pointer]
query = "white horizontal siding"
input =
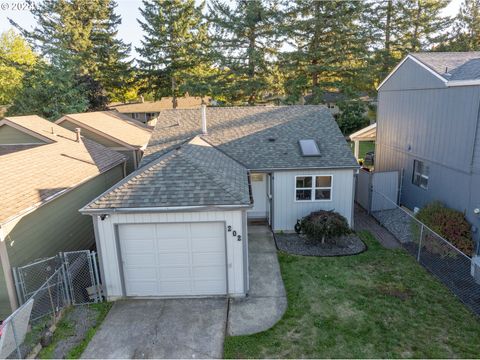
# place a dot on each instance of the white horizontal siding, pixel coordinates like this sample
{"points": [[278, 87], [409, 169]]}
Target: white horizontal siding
{"points": [[287, 210], [108, 245]]}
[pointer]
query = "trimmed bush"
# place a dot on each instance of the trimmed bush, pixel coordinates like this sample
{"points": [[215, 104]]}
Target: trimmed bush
{"points": [[449, 223], [324, 225]]}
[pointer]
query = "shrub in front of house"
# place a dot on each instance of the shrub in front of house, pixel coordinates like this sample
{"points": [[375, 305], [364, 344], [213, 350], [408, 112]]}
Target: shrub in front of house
{"points": [[324, 225], [449, 223]]}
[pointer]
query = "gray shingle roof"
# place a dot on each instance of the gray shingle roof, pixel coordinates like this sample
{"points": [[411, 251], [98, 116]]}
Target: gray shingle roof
{"points": [[194, 174], [246, 133], [452, 66]]}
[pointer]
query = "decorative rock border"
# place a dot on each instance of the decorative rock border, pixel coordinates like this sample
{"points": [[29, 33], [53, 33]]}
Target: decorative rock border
{"points": [[295, 244]]}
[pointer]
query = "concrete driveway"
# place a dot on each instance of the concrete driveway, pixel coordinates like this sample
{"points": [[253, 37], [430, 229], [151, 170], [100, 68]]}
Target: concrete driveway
{"points": [[173, 328]]}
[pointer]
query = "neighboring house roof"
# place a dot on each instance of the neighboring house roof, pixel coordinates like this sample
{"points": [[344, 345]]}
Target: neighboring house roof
{"points": [[37, 175], [258, 137], [452, 65], [368, 133], [194, 174], [453, 68], [113, 125], [187, 102]]}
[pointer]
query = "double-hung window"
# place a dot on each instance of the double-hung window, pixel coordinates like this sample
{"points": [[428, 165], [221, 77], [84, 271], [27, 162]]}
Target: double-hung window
{"points": [[313, 188], [420, 174]]}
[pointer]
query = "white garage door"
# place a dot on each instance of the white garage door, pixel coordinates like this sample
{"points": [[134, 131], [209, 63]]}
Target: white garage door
{"points": [[178, 259]]}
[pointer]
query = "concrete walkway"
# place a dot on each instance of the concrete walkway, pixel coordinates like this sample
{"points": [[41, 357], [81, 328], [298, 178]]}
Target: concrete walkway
{"points": [[171, 329], [266, 302], [363, 221]]}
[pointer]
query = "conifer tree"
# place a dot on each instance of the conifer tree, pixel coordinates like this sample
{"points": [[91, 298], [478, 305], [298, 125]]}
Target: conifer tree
{"points": [[245, 45], [466, 29], [84, 33], [173, 46]]}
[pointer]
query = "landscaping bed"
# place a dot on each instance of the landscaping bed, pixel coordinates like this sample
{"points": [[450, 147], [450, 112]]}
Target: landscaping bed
{"points": [[378, 304], [296, 244]]}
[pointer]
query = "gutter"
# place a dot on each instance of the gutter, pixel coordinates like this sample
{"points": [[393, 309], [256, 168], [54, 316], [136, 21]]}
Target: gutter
{"points": [[353, 167], [84, 210]]}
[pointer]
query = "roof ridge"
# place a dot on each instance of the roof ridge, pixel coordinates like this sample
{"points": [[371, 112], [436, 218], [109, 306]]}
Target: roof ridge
{"points": [[212, 176]]}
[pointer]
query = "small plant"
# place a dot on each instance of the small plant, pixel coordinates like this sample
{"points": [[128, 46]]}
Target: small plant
{"points": [[449, 223], [324, 225]]}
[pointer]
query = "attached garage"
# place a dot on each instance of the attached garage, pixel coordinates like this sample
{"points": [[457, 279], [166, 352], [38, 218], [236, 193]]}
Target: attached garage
{"points": [[177, 259], [176, 227]]}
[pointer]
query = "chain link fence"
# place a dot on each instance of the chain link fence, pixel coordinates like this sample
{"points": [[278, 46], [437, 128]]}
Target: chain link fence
{"points": [[440, 257], [48, 286]]}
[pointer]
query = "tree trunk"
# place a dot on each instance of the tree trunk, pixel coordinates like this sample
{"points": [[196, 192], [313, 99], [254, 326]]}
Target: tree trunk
{"points": [[388, 25]]}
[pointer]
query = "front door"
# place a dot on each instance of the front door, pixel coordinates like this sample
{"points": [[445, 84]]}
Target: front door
{"points": [[260, 199]]}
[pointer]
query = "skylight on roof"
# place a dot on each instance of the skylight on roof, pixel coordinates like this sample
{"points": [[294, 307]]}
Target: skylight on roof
{"points": [[309, 147]]}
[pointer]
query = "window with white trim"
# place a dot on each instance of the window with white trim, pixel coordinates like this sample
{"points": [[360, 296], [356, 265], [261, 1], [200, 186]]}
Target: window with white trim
{"points": [[421, 173], [313, 188]]}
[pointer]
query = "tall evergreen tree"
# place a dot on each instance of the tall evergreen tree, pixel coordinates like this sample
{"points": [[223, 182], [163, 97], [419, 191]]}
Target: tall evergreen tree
{"points": [[245, 42], [173, 45], [329, 46], [466, 29], [82, 32]]}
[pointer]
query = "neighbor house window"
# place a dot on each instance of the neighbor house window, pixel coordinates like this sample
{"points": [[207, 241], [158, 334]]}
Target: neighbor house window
{"points": [[420, 174], [313, 188]]}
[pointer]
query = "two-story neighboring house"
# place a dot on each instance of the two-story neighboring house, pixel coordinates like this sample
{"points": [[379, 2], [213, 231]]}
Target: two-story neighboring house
{"points": [[428, 129]]}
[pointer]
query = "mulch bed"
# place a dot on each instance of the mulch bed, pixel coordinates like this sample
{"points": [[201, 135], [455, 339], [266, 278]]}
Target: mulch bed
{"points": [[300, 245]]}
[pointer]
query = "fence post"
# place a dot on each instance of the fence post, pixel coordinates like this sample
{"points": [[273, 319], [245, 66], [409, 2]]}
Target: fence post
{"points": [[20, 293], [66, 290], [98, 296], [19, 354], [420, 243]]}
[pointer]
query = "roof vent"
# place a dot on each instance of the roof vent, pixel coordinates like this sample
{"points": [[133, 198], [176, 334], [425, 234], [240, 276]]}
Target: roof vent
{"points": [[272, 139], [77, 133], [204, 119], [309, 147]]}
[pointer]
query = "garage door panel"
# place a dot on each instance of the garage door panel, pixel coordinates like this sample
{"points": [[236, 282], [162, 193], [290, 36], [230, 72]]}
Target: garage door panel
{"points": [[136, 231], [205, 230], [138, 259], [174, 273], [141, 273], [143, 288], [171, 259], [138, 245], [175, 288], [207, 259], [172, 244], [208, 272], [208, 244], [172, 231], [209, 287], [178, 259]]}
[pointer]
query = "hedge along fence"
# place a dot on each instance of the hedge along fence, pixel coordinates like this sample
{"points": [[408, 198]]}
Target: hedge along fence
{"points": [[448, 223]]}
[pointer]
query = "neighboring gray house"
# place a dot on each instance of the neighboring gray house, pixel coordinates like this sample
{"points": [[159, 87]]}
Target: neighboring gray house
{"points": [[428, 128], [179, 223]]}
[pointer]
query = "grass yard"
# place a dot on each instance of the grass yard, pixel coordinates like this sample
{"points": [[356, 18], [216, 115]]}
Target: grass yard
{"points": [[365, 146], [379, 304]]}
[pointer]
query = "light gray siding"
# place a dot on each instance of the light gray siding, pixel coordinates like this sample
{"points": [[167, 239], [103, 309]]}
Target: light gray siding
{"points": [[439, 126], [410, 75], [435, 124], [287, 210]]}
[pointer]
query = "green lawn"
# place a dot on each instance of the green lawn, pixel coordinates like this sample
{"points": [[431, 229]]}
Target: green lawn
{"points": [[379, 304], [365, 146]]}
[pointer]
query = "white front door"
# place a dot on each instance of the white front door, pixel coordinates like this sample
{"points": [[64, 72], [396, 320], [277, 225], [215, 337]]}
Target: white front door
{"points": [[259, 194], [177, 259]]}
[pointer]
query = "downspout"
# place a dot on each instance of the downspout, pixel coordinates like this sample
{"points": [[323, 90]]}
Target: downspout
{"points": [[8, 272]]}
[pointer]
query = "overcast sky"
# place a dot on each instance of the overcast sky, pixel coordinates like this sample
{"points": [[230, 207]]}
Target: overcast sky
{"points": [[129, 30]]}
